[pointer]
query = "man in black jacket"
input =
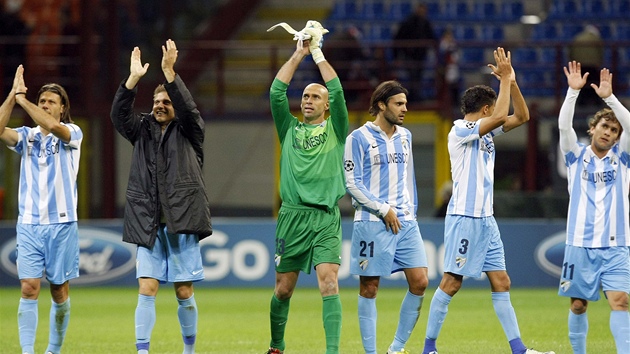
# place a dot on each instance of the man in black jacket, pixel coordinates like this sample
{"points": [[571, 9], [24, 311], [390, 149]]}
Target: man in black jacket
{"points": [[167, 210]]}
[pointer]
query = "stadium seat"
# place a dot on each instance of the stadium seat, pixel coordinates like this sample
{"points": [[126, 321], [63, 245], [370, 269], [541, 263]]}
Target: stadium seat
{"points": [[605, 31], [619, 8], [379, 31], [485, 10], [544, 31], [569, 30], [511, 10], [524, 56], [434, 10], [472, 56], [373, 9], [399, 10], [465, 32], [550, 56], [492, 33], [456, 10], [592, 8], [563, 9], [622, 32], [343, 9]]}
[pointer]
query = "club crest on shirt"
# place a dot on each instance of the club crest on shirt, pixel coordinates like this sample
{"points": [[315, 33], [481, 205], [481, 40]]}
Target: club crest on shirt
{"points": [[565, 285], [487, 145], [405, 144], [460, 261], [363, 264], [348, 165], [613, 161], [277, 258]]}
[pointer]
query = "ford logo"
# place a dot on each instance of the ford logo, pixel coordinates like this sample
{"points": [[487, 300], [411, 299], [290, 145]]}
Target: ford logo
{"points": [[549, 254], [102, 256]]}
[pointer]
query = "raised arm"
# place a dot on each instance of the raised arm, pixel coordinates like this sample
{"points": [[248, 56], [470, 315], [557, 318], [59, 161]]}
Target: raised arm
{"points": [[521, 112], [40, 116], [286, 72], [9, 136], [604, 90], [136, 69], [502, 71], [575, 80], [169, 57]]}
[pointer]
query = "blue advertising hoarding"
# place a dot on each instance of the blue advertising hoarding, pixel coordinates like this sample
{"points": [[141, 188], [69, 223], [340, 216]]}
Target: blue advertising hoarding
{"points": [[240, 254]]}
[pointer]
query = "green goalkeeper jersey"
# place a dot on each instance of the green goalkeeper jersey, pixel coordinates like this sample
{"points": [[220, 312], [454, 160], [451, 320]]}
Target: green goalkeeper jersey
{"points": [[311, 161]]}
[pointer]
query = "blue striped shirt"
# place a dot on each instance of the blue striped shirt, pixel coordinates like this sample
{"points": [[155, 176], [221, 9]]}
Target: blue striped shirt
{"points": [[379, 173], [472, 169], [48, 176], [598, 188]]}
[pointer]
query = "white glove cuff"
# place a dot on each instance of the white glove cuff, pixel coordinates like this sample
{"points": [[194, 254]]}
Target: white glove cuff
{"points": [[318, 56]]}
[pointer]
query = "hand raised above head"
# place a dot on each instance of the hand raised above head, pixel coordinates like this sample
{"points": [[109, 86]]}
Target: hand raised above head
{"points": [[18, 81], [136, 68], [575, 79], [169, 55], [604, 89], [503, 61]]}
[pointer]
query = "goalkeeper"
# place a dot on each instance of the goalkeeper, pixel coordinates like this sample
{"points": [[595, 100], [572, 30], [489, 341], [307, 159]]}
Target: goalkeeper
{"points": [[308, 232]]}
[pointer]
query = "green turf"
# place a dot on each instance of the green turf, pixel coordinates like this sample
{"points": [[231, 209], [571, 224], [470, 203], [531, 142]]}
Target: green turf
{"points": [[236, 321]]}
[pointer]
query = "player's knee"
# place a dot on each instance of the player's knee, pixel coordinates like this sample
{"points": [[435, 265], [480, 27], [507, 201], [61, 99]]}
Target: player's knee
{"points": [[30, 290], [578, 306], [283, 293], [419, 287]]}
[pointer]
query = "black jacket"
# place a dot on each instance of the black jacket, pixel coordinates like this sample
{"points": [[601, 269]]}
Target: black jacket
{"points": [[166, 171]]}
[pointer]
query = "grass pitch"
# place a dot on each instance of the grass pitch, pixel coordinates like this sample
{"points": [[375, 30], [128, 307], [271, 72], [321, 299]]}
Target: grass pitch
{"points": [[237, 321]]}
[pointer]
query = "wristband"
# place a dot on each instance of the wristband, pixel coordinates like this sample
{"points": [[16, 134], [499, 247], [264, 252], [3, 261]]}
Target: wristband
{"points": [[20, 93], [318, 56]]}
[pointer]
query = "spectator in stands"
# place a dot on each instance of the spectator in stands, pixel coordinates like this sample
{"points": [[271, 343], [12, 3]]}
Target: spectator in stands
{"points": [[448, 66], [349, 56], [587, 49], [413, 56]]}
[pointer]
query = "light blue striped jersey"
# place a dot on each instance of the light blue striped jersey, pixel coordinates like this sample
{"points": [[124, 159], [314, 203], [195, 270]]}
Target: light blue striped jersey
{"points": [[48, 176], [472, 169], [598, 188], [598, 203], [379, 173]]}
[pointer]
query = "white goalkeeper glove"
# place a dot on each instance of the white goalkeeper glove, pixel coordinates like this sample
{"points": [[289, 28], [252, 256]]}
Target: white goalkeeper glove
{"points": [[313, 31]]}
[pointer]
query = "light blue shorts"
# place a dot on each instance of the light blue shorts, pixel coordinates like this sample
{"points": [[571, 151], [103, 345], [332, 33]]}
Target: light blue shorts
{"points": [[174, 258], [472, 246], [585, 270], [53, 249], [378, 252]]}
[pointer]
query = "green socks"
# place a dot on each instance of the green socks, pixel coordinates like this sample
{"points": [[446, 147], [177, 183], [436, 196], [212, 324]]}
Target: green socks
{"points": [[278, 317], [331, 316]]}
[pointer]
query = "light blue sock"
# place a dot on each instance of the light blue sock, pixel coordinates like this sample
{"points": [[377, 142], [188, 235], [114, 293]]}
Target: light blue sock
{"points": [[188, 314], [620, 328], [437, 313], [409, 313], [578, 328], [367, 323], [27, 324], [145, 320], [504, 310], [59, 318]]}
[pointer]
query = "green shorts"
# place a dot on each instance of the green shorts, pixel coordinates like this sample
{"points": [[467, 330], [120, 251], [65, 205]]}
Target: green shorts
{"points": [[306, 237]]}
